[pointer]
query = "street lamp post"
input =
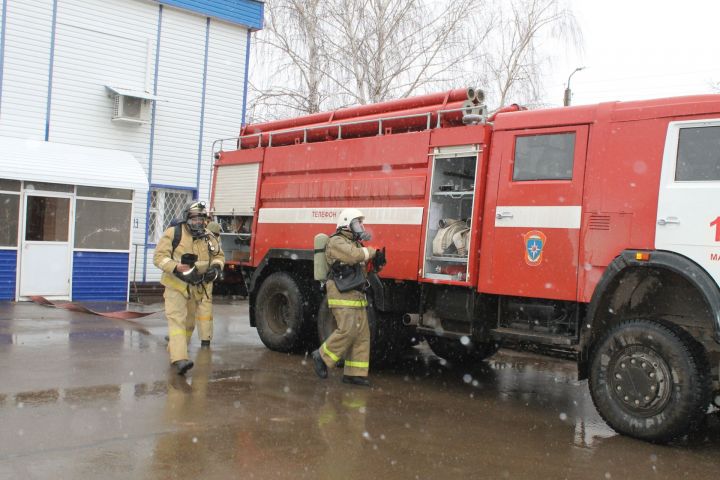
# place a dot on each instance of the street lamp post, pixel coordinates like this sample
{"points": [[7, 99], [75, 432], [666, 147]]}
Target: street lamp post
{"points": [[568, 93]]}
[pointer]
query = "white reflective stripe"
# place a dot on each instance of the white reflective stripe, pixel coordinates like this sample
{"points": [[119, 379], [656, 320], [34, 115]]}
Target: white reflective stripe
{"points": [[366, 253], [164, 261], [538, 217], [328, 215]]}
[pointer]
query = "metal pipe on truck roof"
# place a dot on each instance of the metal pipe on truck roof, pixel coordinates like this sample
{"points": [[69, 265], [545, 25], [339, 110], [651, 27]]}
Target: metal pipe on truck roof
{"points": [[414, 119], [434, 99]]}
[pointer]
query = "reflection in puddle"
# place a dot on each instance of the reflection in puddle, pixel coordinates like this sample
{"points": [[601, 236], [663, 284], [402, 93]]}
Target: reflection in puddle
{"points": [[93, 393], [40, 397]]}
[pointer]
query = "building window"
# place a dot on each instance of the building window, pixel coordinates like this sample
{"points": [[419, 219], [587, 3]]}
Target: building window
{"points": [[166, 205], [544, 157], [102, 218], [698, 157], [9, 216], [47, 219], [101, 192], [102, 225]]}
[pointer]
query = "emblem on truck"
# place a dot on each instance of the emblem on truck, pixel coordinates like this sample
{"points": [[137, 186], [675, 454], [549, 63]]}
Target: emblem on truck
{"points": [[534, 243]]}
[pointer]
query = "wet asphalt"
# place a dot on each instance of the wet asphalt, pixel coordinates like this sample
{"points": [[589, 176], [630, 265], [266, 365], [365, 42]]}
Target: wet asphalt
{"points": [[83, 396]]}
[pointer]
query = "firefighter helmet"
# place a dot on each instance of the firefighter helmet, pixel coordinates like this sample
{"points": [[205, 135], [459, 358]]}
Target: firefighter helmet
{"points": [[347, 216], [352, 219]]}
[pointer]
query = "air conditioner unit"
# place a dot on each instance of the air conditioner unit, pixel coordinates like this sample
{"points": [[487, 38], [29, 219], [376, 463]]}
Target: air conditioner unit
{"points": [[130, 106], [131, 109]]}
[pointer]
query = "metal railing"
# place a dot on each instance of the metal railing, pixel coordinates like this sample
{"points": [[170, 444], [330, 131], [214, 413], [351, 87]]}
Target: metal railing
{"points": [[339, 126], [136, 247]]}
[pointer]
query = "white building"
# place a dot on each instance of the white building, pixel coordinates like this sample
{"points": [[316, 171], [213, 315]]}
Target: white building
{"points": [[108, 112]]}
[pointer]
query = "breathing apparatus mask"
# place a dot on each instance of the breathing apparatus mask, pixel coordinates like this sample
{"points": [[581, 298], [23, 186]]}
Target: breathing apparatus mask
{"points": [[358, 230], [195, 218]]}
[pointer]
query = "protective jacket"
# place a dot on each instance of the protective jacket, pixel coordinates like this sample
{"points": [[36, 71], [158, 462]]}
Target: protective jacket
{"points": [[207, 249], [341, 247]]}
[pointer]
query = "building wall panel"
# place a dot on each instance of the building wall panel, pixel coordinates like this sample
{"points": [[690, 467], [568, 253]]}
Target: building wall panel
{"points": [[244, 12], [224, 92], [100, 276], [99, 43], [26, 68], [8, 274], [177, 120]]}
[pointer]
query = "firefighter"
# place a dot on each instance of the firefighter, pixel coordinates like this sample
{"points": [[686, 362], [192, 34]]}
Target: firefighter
{"points": [[346, 257], [191, 260]]}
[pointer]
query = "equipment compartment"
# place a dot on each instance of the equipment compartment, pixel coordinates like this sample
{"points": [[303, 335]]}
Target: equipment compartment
{"points": [[452, 198]]}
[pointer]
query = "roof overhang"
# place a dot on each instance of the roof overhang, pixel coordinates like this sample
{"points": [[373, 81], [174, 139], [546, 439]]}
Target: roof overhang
{"points": [[131, 93], [51, 162]]}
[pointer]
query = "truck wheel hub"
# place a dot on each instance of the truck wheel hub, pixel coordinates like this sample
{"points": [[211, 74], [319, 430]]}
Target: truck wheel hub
{"points": [[279, 311], [640, 379]]}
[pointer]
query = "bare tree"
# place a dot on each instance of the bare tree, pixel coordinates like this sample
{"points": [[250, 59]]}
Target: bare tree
{"points": [[290, 59], [511, 64], [393, 48], [318, 55]]}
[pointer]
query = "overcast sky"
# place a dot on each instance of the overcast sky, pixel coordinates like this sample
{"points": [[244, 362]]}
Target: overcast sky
{"points": [[636, 49]]}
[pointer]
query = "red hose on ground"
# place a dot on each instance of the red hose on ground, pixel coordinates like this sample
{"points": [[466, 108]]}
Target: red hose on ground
{"points": [[124, 315]]}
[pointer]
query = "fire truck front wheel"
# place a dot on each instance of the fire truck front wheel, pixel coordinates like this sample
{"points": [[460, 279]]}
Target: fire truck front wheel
{"points": [[279, 313], [650, 380]]}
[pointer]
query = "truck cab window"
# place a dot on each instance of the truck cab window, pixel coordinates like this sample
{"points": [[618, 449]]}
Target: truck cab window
{"points": [[544, 157], [698, 157]]}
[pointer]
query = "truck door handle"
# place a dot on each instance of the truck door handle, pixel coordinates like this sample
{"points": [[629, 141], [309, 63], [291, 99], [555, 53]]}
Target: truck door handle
{"points": [[501, 215], [668, 220]]}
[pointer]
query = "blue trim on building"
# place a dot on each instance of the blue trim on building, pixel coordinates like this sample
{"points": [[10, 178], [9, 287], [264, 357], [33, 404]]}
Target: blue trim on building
{"points": [[50, 74], [202, 103], [100, 276], [2, 48], [248, 13], [174, 187], [152, 139], [247, 69], [8, 274]]}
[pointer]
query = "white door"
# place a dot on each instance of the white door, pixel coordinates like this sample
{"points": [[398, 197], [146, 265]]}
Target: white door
{"points": [[45, 251], [688, 219]]}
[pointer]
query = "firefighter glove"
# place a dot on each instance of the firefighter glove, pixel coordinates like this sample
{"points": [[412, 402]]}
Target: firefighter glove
{"points": [[212, 274], [380, 260]]}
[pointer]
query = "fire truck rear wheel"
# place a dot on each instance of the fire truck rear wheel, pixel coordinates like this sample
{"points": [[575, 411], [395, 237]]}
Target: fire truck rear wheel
{"points": [[453, 350], [279, 313], [650, 380]]}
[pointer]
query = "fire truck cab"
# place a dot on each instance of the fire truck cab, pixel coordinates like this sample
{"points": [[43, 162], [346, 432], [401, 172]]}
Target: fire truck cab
{"points": [[591, 231]]}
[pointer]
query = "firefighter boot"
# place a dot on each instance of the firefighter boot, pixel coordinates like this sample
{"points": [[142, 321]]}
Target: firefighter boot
{"points": [[353, 380], [319, 365], [183, 366]]}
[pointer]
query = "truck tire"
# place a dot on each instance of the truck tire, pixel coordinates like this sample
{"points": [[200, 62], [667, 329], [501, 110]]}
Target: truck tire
{"points": [[452, 350], [385, 348], [279, 313], [650, 380]]}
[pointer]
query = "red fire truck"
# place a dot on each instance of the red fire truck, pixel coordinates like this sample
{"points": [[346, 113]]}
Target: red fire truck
{"points": [[590, 230]]}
